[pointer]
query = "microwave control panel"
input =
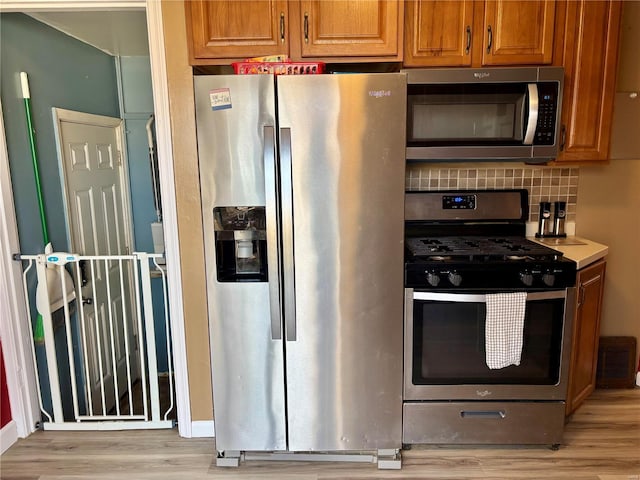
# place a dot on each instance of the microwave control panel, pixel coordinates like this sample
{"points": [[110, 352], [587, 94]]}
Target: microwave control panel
{"points": [[547, 108]]}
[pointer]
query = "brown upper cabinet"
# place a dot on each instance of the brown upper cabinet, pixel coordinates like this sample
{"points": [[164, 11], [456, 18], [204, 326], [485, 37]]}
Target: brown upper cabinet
{"points": [[589, 37], [237, 29], [342, 30], [441, 33]]}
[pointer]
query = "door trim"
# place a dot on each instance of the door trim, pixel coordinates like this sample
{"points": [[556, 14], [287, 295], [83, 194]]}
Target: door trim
{"points": [[164, 148], [19, 368], [165, 162]]}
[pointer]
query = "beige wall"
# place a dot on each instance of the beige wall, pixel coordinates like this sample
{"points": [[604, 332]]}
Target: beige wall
{"points": [[609, 213], [629, 66], [180, 81], [609, 206]]}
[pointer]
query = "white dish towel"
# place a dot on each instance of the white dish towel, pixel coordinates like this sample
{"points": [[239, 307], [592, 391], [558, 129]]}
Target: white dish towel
{"points": [[503, 328]]}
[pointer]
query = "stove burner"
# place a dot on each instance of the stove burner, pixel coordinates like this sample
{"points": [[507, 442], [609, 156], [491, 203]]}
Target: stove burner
{"points": [[479, 249], [516, 257], [486, 264]]}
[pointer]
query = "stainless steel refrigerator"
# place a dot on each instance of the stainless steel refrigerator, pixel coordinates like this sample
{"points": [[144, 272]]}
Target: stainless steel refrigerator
{"points": [[302, 184]]}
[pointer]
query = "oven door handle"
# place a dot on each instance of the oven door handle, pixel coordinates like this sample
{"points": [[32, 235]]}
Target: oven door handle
{"points": [[481, 298]]}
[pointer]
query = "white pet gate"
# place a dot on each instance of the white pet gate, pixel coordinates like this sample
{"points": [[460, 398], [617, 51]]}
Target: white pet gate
{"points": [[101, 337]]}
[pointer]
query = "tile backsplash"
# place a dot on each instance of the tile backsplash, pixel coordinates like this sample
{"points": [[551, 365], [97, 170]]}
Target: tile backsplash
{"points": [[543, 183]]}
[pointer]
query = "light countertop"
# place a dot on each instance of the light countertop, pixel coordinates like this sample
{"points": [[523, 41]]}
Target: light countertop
{"points": [[582, 251]]}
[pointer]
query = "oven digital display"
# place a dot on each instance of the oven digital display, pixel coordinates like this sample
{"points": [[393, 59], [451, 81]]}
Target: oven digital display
{"points": [[458, 202]]}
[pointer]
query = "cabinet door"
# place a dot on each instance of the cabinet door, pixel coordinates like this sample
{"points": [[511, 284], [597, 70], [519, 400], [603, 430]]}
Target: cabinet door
{"points": [[438, 33], [590, 54], [518, 33], [347, 28], [586, 333], [223, 29]]}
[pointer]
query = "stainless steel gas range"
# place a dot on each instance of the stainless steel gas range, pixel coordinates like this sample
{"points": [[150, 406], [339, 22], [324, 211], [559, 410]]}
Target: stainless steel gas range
{"points": [[487, 327]]}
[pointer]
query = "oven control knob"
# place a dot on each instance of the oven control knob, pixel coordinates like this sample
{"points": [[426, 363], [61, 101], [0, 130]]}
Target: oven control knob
{"points": [[433, 279], [526, 277], [455, 278], [549, 279]]}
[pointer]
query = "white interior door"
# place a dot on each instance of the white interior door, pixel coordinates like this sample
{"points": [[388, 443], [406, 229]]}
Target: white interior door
{"points": [[98, 214]]}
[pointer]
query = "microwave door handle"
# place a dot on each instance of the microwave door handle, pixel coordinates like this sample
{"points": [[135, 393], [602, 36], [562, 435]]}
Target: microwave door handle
{"points": [[271, 201], [532, 121]]}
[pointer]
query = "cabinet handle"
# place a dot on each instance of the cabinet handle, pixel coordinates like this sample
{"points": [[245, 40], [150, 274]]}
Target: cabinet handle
{"points": [[563, 137], [281, 27], [466, 50], [306, 27], [489, 38]]}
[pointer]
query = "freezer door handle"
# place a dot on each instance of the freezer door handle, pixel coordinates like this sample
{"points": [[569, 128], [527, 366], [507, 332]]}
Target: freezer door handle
{"points": [[286, 186], [273, 262]]}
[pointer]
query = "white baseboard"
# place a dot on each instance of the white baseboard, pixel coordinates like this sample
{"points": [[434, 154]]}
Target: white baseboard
{"points": [[203, 428], [8, 436]]}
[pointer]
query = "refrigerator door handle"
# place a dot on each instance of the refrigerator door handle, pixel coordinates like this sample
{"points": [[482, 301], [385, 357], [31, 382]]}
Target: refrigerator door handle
{"points": [[286, 187], [273, 262]]}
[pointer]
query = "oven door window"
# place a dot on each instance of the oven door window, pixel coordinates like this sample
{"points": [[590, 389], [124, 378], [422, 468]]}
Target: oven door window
{"points": [[449, 344]]}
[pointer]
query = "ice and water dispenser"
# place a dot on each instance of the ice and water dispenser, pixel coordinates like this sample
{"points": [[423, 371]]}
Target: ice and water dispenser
{"points": [[241, 244]]}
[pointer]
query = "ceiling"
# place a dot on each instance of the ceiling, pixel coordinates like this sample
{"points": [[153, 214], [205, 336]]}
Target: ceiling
{"points": [[122, 33]]}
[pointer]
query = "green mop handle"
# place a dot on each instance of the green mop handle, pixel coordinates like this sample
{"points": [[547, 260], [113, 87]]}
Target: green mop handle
{"points": [[34, 156]]}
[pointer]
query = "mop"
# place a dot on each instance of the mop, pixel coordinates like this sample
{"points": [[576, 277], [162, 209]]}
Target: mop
{"points": [[53, 285]]}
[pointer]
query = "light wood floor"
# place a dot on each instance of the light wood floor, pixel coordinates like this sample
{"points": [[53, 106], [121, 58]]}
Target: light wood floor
{"points": [[602, 442]]}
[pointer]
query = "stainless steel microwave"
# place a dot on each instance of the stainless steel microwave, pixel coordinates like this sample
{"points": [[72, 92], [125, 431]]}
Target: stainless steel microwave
{"points": [[484, 114]]}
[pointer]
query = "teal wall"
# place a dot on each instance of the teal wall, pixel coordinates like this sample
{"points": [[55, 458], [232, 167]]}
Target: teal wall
{"points": [[137, 107], [66, 73], [63, 73]]}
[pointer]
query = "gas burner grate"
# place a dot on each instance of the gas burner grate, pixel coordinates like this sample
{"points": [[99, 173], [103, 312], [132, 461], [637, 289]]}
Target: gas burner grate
{"points": [[477, 249]]}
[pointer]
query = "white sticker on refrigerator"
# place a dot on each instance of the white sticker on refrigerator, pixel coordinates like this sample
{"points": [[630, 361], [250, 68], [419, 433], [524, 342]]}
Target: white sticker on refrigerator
{"points": [[220, 99]]}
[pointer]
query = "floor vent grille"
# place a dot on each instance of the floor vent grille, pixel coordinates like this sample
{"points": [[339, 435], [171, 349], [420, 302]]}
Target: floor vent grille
{"points": [[616, 362]]}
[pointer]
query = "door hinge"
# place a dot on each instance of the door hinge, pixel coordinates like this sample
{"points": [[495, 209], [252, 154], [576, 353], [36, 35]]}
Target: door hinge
{"points": [[119, 155]]}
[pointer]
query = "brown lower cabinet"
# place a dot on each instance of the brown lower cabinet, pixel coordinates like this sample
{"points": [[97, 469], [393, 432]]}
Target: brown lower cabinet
{"points": [[586, 332]]}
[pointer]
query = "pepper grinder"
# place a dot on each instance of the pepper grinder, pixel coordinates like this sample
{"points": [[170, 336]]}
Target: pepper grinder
{"points": [[559, 215], [544, 222]]}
